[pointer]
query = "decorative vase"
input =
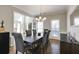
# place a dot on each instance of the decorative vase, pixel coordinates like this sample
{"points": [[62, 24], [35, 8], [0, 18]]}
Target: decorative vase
{"points": [[2, 24]]}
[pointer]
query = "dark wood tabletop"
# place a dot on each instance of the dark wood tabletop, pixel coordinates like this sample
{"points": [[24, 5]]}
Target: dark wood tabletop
{"points": [[31, 39]]}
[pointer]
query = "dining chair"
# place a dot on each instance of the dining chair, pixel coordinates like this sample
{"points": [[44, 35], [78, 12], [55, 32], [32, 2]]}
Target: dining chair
{"points": [[21, 46], [19, 42], [28, 33], [36, 46], [45, 40], [34, 32]]}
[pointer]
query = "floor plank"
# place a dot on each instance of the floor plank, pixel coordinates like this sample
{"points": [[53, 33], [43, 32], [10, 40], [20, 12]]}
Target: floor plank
{"points": [[54, 46]]}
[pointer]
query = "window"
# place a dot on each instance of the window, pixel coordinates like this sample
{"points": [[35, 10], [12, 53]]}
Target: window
{"points": [[22, 22], [76, 21], [18, 22], [55, 28], [17, 27], [40, 28], [28, 22]]}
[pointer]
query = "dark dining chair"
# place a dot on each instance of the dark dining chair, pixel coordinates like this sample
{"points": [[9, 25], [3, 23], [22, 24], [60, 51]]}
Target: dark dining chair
{"points": [[45, 40], [34, 32], [36, 46], [21, 46], [28, 33]]}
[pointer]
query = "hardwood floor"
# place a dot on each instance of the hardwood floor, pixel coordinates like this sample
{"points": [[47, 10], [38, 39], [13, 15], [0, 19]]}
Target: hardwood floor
{"points": [[54, 47]]}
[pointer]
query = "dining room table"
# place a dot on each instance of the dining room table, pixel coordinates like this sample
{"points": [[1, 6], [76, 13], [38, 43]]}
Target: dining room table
{"points": [[32, 43], [31, 38]]}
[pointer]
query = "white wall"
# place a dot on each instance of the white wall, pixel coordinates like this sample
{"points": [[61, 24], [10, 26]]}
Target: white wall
{"points": [[61, 17], [74, 29], [71, 9], [6, 14], [63, 22]]}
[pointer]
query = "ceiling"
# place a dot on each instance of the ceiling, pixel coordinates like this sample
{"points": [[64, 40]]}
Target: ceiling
{"points": [[35, 10]]}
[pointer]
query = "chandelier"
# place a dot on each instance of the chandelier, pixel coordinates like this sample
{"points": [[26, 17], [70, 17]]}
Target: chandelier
{"points": [[40, 17]]}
